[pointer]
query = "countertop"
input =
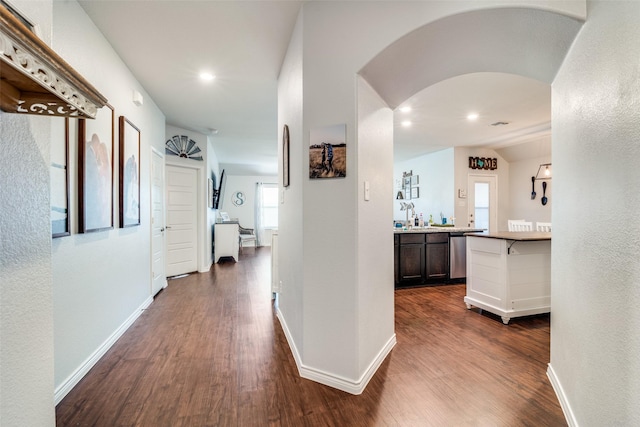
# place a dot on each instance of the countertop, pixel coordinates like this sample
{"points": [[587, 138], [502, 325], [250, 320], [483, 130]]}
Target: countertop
{"points": [[521, 236], [436, 229]]}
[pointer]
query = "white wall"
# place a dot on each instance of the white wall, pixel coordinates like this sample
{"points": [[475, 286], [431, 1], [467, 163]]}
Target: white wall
{"points": [[290, 219], [595, 271], [26, 306], [101, 280], [436, 173], [521, 206], [247, 184], [375, 332]]}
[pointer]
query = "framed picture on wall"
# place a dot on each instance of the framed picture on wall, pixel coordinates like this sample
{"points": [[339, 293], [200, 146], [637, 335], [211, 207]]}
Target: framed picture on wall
{"points": [[59, 172], [129, 173], [95, 171], [285, 156], [406, 183], [328, 152]]}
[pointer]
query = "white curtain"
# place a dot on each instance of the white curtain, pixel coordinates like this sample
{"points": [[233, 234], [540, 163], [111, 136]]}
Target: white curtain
{"points": [[258, 215]]}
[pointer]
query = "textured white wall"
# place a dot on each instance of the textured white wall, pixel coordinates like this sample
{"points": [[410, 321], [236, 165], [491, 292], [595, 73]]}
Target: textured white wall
{"points": [[596, 240], [26, 306], [100, 279]]}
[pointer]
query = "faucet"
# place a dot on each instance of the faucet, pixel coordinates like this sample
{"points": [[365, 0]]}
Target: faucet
{"points": [[405, 207]]}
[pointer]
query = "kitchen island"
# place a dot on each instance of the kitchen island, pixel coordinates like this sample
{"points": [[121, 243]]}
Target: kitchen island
{"points": [[509, 273], [429, 255]]}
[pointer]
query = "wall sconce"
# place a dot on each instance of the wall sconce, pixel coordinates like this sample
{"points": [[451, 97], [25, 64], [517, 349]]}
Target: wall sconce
{"points": [[544, 171]]}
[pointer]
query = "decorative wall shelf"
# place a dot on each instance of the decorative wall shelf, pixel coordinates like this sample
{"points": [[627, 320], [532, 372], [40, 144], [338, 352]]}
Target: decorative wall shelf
{"points": [[35, 80]]}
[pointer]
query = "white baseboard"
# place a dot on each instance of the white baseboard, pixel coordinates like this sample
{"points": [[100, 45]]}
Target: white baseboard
{"points": [[562, 398], [336, 381], [67, 385]]}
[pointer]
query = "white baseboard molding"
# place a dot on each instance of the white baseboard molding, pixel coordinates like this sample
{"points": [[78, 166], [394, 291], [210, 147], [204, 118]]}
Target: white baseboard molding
{"points": [[67, 385], [562, 397], [336, 381]]}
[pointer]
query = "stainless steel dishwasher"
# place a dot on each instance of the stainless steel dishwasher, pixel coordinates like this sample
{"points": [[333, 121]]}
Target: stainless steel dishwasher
{"points": [[457, 256]]}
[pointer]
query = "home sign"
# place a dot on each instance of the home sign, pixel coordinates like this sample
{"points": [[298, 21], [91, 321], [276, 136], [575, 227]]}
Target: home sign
{"points": [[483, 163]]}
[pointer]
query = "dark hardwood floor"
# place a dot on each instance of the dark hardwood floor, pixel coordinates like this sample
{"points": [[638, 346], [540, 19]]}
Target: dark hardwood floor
{"points": [[210, 352]]}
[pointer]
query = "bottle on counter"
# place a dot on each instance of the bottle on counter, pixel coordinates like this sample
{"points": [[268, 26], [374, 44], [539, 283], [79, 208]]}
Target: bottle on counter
{"points": [[415, 221], [430, 219], [421, 221]]}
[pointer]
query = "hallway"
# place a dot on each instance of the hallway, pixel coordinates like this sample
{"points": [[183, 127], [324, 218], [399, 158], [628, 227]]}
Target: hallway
{"points": [[209, 351]]}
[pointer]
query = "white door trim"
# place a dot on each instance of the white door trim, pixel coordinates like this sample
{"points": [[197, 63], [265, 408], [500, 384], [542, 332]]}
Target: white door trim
{"points": [[160, 155]]}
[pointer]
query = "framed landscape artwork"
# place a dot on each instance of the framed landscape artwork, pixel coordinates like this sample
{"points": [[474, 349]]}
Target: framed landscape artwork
{"points": [[95, 171], [60, 178], [129, 173]]}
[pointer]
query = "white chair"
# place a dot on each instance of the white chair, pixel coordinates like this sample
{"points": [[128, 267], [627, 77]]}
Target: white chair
{"points": [[246, 235], [522, 226], [543, 226], [511, 222]]}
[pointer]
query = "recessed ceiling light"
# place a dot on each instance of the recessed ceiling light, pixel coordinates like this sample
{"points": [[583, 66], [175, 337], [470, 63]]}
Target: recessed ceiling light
{"points": [[207, 77], [405, 109], [473, 116], [406, 123]]}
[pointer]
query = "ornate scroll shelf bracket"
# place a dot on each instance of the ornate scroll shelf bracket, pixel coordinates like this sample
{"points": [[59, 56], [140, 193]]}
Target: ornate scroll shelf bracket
{"points": [[35, 80]]}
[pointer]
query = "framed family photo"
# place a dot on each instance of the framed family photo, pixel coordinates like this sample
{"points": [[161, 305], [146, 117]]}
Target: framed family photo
{"points": [[129, 173], [328, 152], [95, 171]]}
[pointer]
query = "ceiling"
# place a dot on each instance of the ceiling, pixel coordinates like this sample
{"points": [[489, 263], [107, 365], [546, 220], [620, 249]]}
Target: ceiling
{"points": [[511, 110], [166, 44]]}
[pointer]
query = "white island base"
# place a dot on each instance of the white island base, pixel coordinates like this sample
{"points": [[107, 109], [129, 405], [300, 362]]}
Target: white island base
{"points": [[509, 274]]}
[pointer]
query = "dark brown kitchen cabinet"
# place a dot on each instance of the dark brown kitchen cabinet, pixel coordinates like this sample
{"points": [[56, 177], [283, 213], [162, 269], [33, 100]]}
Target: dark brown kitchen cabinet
{"points": [[411, 259], [421, 258], [437, 257]]}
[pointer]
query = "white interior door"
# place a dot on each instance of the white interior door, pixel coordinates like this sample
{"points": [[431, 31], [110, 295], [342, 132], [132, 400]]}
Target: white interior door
{"points": [[483, 202], [182, 216], [158, 277]]}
